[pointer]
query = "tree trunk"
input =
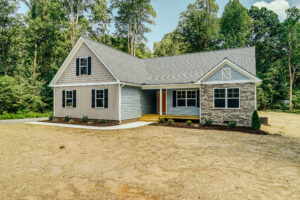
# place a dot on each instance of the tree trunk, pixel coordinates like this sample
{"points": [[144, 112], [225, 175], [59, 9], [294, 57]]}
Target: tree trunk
{"points": [[290, 74]]}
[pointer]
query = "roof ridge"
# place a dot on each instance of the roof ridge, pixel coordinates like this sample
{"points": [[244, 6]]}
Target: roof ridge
{"points": [[201, 52]]}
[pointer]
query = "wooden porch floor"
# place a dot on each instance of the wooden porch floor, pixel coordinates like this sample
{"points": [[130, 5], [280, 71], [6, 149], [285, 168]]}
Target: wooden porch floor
{"points": [[155, 117]]}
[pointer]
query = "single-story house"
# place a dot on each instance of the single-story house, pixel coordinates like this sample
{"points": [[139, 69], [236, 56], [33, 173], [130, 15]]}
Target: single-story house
{"points": [[101, 82]]}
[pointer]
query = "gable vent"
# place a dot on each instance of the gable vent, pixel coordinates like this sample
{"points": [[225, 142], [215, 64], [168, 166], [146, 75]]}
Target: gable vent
{"points": [[226, 74]]}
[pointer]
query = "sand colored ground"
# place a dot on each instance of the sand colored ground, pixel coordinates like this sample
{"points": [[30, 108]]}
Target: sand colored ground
{"points": [[146, 163], [282, 123]]}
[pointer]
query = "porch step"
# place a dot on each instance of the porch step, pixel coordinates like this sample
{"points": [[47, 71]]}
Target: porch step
{"points": [[155, 117]]}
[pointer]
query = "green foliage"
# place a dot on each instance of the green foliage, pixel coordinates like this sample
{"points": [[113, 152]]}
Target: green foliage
{"points": [[169, 45], [236, 25], [71, 121], [90, 123], [67, 118], [23, 115], [9, 97], [51, 117], [171, 122], [189, 123], [255, 121], [199, 25], [84, 118], [232, 124], [102, 121], [161, 120], [208, 122]]}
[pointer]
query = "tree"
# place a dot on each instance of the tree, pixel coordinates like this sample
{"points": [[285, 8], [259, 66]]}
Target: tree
{"points": [[255, 121], [168, 46], [9, 28], [291, 42], [131, 20], [236, 25], [199, 25]]}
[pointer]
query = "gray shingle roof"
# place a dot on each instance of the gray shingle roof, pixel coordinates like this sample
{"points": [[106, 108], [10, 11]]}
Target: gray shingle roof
{"points": [[185, 68]]}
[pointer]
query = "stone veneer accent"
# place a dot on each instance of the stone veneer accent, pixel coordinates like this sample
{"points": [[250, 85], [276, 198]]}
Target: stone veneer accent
{"points": [[242, 115]]}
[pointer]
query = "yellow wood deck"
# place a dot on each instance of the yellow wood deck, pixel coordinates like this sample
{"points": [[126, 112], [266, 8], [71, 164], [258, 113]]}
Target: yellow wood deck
{"points": [[155, 117]]}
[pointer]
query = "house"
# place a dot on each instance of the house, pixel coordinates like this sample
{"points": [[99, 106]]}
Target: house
{"points": [[104, 83]]}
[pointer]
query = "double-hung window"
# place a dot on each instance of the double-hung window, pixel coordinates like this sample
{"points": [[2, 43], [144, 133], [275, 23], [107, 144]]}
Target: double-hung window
{"points": [[99, 99], [69, 98], [186, 98], [83, 66], [226, 98]]}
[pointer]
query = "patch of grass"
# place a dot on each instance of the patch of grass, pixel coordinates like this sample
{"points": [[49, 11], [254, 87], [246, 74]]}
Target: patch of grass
{"points": [[295, 111], [23, 115]]}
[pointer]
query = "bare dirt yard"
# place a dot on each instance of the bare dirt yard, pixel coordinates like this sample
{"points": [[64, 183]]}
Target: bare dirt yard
{"points": [[282, 123], [42, 162]]}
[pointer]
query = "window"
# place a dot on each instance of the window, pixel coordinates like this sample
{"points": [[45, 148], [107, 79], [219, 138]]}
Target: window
{"points": [[186, 98], [227, 98], [83, 66], [69, 98], [226, 74], [99, 99]]}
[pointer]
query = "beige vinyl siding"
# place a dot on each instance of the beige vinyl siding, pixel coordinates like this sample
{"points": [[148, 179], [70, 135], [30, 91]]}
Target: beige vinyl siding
{"points": [[99, 71], [84, 103]]}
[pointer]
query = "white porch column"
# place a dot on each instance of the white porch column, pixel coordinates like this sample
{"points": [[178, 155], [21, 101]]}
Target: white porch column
{"points": [[160, 101]]}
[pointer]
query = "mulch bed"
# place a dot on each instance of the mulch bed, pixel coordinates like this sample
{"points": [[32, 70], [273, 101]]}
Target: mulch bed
{"points": [[214, 127], [79, 122]]}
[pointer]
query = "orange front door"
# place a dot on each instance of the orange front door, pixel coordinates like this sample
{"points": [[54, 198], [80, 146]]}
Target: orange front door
{"points": [[164, 101]]}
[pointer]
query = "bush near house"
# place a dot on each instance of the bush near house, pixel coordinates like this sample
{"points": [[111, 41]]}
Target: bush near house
{"points": [[171, 122], [189, 123], [23, 115], [208, 122], [85, 118], [161, 120], [102, 121], [232, 124], [255, 121], [67, 118]]}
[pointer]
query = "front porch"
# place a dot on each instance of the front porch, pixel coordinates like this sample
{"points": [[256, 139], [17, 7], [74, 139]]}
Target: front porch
{"points": [[155, 117]]}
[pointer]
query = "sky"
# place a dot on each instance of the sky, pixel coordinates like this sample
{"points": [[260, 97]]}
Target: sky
{"points": [[168, 12]]}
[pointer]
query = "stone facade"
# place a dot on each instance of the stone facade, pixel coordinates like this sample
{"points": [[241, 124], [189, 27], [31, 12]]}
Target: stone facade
{"points": [[242, 115]]}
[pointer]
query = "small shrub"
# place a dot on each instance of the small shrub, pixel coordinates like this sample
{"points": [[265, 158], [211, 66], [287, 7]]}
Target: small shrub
{"points": [[55, 119], [161, 120], [67, 118], [208, 122], [71, 121], [189, 123], [232, 124], [84, 118], [255, 121], [171, 122], [196, 125], [102, 121], [90, 122], [51, 117]]}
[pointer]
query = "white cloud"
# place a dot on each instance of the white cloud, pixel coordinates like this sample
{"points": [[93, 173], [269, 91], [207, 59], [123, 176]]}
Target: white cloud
{"points": [[278, 6]]}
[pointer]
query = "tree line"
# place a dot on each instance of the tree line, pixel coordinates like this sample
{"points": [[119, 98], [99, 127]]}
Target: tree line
{"points": [[33, 45]]}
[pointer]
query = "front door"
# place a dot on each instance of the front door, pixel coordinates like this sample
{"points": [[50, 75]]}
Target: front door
{"points": [[164, 101]]}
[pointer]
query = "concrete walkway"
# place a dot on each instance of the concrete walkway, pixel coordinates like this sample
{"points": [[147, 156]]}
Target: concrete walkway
{"points": [[117, 127], [21, 121]]}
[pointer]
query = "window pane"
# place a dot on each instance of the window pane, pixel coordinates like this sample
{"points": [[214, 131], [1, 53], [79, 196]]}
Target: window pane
{"points": [[236, 92], [99, 102], [83, 62], [69, 94], [191, 94], [191, 102], [231, 93], [99, 94], [69, 102], [219, 103], [181, 102], [219, 93], [233, 103], [83, 71]]}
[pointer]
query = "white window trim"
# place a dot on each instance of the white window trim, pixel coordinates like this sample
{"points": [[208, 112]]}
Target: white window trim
{"points": [[226, 99], [87, 64], [66, 98], [186, 98], [99, 98]]}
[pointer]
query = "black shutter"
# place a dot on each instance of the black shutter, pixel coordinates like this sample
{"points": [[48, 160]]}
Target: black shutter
{"points": [[93, 98], [106, 98], [77, 66], [89, 65], [174, 98], [63, 98], [198, 98], [74, 98]]}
